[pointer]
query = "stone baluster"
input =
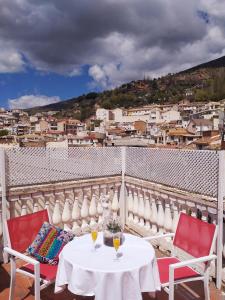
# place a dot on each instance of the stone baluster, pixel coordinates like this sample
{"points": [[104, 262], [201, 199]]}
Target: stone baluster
{"points": [[182, 205], [49, 201], [115, 203], [93, 211], [168, 222], [147, 212], [76, 216], [110, 194], [84, 214], [135, 208], [100, 211], [175, 217], [130, 202], [14, 206], [204, 214], [154, 215], [191, 206], [56, 216], [103, 189], [35, 198], [141, 210], [66, 214], [168, 216], [24, 201], [161, 214]]}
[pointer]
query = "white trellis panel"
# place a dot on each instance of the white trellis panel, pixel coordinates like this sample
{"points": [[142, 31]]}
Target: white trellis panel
{"points": [[27, 166], [194, 171]]}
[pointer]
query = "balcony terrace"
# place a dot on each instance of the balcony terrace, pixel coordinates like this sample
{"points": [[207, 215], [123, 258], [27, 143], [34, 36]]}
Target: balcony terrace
{"points": [[146, 187]]}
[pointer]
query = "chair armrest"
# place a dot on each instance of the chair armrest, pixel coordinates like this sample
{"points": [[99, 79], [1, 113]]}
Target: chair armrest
{"points": [[21, 256], [149, 238], [192, 261]]}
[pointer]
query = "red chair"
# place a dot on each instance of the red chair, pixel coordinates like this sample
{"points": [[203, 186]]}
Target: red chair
{"points": [[21, 231], [197, 239]]}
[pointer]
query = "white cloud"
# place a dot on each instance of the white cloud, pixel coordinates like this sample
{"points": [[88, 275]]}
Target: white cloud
{"points": [[118, 40], [10, 61], [28, 101]]}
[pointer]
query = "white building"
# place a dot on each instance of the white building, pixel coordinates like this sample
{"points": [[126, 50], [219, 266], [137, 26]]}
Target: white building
{"points": [[102, 114]]}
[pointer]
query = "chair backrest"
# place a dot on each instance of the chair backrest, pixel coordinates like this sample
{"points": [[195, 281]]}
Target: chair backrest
{"points": [[23, 230], [194, 236]]}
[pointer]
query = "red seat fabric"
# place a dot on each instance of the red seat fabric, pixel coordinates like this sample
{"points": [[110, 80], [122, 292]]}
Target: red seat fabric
{"points": [[180, 273], [194, 236], [47, 272], [23, 229]]}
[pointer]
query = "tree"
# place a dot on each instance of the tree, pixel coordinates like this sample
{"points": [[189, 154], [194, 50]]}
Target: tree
{"points": [[3, 132]]}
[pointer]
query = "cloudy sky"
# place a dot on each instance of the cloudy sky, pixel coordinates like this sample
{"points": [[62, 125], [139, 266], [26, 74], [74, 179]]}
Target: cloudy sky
{"points": [[53, 50]]}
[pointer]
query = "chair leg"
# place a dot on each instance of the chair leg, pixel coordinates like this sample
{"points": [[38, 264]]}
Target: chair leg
{"points": [[171, 292], [206, 287], [37, 282], [171, 283], [13, 278]]}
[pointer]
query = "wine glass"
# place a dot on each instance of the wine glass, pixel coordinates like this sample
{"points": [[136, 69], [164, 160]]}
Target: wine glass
{"points": [[116, 243], [94, 235]]}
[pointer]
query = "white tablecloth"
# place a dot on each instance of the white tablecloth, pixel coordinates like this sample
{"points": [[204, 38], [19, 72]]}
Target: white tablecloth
{"points": [[89, 272]]}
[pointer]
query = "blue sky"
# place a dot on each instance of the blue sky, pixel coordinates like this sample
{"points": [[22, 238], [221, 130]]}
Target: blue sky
{"points": [[54, 50], [31, 82]]}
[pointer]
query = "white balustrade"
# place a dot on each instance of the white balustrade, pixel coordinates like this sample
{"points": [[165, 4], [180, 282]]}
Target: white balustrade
{"points": [[115, 203], [135, 208], [160, 216], [175, 217], [84, 214], [49, 200], [56, 216], [76, 216], [130, 202], [147, 213], [93, 211], [66, 215], [154, 216], [100, 211], [168, 222], [35, 198], [141, 210], [24, 201]]}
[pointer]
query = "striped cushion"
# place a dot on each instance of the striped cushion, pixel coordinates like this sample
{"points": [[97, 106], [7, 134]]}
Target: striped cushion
{"points": [[48, 243]]}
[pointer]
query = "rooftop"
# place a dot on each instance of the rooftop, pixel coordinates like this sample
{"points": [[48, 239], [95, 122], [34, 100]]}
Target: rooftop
{"points": [[24, 290], [170, 181]]}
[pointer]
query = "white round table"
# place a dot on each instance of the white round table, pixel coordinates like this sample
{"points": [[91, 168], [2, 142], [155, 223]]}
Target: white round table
{"points": [[88, 272]]}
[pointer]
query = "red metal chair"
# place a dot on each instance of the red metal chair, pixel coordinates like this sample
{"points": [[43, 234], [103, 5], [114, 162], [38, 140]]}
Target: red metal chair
{"points": [[21, 231], [197, 239]]}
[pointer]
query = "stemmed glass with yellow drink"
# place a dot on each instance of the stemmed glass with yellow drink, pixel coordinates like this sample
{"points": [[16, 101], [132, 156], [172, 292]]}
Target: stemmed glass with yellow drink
{"points": [[116, 243], [94, 235]]}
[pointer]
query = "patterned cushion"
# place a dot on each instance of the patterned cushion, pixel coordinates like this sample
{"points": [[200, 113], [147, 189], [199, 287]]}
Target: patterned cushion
{"points": [[48, 243]]}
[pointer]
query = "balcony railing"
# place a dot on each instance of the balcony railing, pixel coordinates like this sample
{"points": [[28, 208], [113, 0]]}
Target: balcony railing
{"points": [[147, 187]]}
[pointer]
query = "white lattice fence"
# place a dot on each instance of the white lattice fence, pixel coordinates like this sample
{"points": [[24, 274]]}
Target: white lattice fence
{"points": [[27, 166], [194, 171]]}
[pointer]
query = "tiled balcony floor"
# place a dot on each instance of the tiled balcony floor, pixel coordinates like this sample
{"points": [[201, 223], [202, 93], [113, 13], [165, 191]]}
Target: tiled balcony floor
{"points": [[24, 290]]}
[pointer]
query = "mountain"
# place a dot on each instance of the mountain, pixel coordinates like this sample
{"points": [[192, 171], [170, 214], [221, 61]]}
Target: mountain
{"points": [[216, 63], [200, 83]]}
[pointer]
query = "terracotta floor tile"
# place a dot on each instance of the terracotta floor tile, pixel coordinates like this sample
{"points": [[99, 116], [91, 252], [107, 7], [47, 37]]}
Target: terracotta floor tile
{"points": [[24, 290]]}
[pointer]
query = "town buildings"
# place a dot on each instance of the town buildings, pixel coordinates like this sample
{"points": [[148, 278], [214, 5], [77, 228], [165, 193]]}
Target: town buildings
{"points": [[183, 125]]}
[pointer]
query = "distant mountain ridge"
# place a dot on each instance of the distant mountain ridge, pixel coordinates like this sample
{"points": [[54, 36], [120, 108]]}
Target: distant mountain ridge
{"points": [[216, 63], [200, 83]]}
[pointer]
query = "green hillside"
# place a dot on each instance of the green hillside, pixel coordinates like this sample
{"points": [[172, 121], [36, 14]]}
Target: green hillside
{"points": [[200, 83]]}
